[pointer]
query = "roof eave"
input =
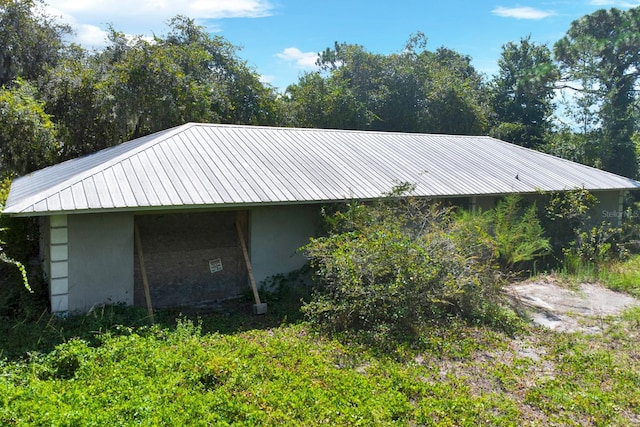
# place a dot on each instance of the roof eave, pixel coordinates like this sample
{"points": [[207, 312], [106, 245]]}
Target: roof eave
{"points": [[249, 205]]}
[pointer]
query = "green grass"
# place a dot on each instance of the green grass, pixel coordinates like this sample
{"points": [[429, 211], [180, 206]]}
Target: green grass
{"points": [[623, 276]]}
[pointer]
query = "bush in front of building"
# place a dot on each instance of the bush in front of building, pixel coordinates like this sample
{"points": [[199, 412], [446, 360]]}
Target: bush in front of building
{"points": [[399, 263]]}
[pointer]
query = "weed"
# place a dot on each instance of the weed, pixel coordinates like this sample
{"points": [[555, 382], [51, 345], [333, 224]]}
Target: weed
{"points": [[623, 276]]}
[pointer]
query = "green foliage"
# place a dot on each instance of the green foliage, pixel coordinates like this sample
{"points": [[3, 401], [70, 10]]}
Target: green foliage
{"points": [[453, 94], [510, 132], [518, 233], [622, 275], [600, 51], [597, 382], [28, 139], [522, 93], [595, 247], [566, 213], [397, 263], [64, 361], [415, 91], [30, 41], [584, 245], [4, 193], [579, 147], [135, 87], [118, 372], [10, 297]]}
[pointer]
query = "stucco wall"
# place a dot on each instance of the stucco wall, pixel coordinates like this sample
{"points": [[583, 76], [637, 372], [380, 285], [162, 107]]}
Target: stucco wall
{"points": [[100, 260], [276, 234], [101, 249], [609, 208]]}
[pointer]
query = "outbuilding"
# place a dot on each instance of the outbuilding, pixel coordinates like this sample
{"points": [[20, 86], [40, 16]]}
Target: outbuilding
{"points": [[174, 206]]}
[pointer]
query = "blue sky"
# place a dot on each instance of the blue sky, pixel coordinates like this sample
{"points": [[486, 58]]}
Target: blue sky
{"points": [[280, 38]]}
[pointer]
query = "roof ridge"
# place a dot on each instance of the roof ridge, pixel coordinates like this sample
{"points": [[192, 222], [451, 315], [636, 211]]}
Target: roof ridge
{"points": [[358, 131]]}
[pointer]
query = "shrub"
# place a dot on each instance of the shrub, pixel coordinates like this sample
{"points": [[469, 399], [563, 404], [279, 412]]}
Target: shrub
{"points": [[518, 233], [595, 245], [579, 242], [565, 214], [393, 264]]}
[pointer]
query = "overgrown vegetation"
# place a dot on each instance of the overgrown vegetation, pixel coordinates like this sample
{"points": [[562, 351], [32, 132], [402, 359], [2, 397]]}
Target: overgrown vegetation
{"points": [[518, 233], [236, 369], [395, 264], [622, 276], [420, 283], [20, 295], [582, 244]]}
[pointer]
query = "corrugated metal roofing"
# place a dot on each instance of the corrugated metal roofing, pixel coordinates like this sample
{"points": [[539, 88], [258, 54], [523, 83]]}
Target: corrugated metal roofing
{"points": [[208, 165]]}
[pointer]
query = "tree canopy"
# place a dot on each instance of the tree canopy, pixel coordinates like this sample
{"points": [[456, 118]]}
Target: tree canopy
{"points": [[78, 101], [601, 51], [413, 91], [30, 41], [28, 139], [522, 93], [136, 87]]}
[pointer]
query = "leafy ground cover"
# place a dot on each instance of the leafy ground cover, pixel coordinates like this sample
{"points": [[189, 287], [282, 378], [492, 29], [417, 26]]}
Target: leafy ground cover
{"points": [[111, 367]]}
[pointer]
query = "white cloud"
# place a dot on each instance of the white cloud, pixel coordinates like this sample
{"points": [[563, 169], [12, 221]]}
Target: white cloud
{"points": [[523, 12], [304, 60], [267, 79], [201, 9], [230, 8], [615, 3], [144, 17], [90, 35]]}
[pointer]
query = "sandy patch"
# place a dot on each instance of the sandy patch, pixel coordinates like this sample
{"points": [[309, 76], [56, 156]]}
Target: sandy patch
{"points": [[563, 309]]}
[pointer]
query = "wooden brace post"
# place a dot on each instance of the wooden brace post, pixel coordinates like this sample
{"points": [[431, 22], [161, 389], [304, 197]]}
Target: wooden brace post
{"points": [[254, 288], [143, 270]]}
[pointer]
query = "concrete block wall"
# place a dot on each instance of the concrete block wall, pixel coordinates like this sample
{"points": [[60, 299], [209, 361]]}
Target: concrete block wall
{"points": [[58, 268]]}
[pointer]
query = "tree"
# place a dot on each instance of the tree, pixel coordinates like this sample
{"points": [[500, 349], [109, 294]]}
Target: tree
{"points": [[28, 138], [578, 147], [136, 87], [413, 91], [27, 142], [602, 52], [325, 103], [30, 41], [453, 94], [522, 92], [76, 96]]}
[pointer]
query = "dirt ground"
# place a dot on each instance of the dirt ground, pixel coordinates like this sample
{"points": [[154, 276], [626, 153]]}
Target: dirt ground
{"points": [[583, 307]]}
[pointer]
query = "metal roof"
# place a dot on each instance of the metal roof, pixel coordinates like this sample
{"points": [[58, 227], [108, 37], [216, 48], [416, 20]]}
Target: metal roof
{"points": [[210, 165]]}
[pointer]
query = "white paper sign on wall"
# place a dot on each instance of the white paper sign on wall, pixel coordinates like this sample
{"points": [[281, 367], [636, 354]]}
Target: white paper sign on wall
{"points": [[215, 265]]}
